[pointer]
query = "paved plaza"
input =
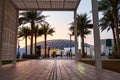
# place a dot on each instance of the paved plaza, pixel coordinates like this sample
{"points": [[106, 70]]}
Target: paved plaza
{"points": [[54, 70]]}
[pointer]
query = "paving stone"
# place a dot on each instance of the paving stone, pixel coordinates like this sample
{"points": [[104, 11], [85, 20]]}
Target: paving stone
{"points": [[54, 70]]}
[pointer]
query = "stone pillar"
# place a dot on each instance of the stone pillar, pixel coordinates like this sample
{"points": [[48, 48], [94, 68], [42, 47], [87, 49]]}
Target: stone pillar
{"points": [[16, 31], [1, 27], [97, 45], [76, 42], [7, 36]]}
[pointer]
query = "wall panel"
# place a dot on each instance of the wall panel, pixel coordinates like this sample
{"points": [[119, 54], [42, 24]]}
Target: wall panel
{"points": [[9, 31], [1, 25]]}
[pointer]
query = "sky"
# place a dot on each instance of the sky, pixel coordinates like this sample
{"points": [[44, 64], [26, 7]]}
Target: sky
{"points": [[61, 20]]}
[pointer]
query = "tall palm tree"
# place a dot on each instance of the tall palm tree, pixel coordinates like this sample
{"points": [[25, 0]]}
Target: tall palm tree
{"points": [[31, 17], [24, 32], [46, 30], [107, 22], [37, 33], [83, 24], [114, 7]]}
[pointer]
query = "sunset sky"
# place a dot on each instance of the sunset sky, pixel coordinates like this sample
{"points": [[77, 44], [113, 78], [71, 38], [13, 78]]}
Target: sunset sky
{"points": [[61, 20]]}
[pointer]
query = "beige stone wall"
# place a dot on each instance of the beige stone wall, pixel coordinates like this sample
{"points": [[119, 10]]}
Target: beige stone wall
{"points": [[0, 15], [1, 2], [9, 31]]}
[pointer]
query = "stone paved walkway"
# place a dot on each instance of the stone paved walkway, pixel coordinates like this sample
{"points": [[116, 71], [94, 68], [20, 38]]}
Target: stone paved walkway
{"points": [[54, 70]]}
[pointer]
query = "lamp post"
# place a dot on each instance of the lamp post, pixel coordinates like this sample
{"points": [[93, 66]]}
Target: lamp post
{"points": [[18, 45], [18, 53], [70, 45]]}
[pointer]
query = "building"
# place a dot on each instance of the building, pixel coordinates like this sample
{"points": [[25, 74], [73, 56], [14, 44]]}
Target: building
{"points": [[106, 47]]}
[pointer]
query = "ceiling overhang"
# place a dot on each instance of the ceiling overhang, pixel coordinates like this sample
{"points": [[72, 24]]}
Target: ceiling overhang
{"points": [[58, 5]]}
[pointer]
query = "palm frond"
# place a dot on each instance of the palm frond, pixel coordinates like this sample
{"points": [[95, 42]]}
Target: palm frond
{"points": [[46, 29], [24, 32], [83, 23], [107, 21], [28, 16]]}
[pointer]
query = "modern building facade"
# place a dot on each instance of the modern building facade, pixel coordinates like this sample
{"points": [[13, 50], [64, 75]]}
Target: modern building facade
{"points": [[107, 46]]}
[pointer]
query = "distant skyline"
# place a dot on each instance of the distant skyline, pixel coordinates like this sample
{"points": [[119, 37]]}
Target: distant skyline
{"points": [[61, 20]]}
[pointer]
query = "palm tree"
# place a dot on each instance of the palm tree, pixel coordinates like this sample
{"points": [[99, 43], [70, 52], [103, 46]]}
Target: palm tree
{"points": [[46, 30], [114, 7], [107, 22], [83, 23], [31, 17], [24, 32], [37, 33]]}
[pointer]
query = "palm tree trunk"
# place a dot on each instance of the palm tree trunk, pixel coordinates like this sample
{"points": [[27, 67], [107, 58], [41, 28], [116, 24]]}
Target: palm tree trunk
{"points": [[25, 45], [83, 51], [32, 30], [115, 45], [45, 45], [35, 43], [115, 14]]}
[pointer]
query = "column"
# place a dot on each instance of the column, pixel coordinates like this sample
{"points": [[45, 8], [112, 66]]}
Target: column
{"points": [[15, 54], [1, 29], [97, 45]]}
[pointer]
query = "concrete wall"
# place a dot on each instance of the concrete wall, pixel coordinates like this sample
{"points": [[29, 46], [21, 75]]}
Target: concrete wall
{"points": [[1, 23], [8, 34], [0, 15]]}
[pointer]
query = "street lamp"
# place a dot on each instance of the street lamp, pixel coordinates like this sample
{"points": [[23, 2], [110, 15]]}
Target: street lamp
{"points": [[18, 52], [70, 44], [18, 45]]}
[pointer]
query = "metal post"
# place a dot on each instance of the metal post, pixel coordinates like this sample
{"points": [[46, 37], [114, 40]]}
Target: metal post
{"points": [[76, 42], [70, 39], [70, 45], [18, 51], [97, 46]]}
